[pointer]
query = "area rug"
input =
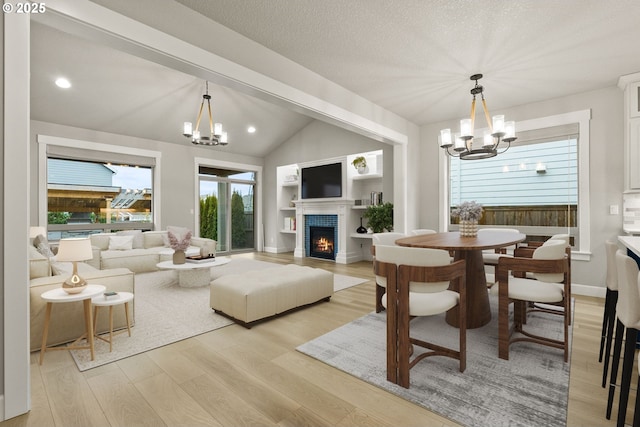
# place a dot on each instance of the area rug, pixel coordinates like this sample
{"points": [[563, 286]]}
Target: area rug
{"points": [[530, 389], [166, 313]]}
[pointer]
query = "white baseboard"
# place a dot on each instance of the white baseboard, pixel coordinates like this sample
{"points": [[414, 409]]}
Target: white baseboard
{"points": [[276, 250], [587, 290]]}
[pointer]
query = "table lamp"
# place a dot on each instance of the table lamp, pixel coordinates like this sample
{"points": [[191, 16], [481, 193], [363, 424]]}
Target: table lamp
{"points": [[74, 250]]}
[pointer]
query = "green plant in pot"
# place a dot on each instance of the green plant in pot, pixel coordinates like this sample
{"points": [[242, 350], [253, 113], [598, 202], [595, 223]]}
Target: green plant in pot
{"points": [[380, 217], [360, 163]]}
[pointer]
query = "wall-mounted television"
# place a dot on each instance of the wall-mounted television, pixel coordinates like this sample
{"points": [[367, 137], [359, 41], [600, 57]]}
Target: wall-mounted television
{"points": [[319, 182]]}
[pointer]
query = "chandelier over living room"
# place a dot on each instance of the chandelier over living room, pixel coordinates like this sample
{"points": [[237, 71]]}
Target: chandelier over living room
{"points": [[216, 135], [499, 132]]}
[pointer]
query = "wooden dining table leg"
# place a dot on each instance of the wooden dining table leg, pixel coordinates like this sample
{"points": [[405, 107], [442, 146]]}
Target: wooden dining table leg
{"points": [[478, 308]]}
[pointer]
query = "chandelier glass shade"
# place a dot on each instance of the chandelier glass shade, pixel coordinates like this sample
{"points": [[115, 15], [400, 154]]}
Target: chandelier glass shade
{"points": [[497, 139], [216, 135]]}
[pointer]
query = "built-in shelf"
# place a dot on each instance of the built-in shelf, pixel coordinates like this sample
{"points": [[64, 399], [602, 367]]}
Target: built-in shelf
{"points": [[292, 208], [366, 176], [360, 207], [288, 231], [361, 236], [290, 184]]}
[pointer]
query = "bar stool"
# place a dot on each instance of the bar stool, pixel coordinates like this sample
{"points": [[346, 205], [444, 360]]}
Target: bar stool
{"points": [[111, 301], [611, 299], [628, 313]]}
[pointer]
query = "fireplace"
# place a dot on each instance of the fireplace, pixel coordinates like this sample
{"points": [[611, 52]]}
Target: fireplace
{"points": [[322, 242]]}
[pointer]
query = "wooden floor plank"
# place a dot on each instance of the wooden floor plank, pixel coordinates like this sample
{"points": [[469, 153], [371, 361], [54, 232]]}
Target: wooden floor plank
{"points": [[254, 377]]}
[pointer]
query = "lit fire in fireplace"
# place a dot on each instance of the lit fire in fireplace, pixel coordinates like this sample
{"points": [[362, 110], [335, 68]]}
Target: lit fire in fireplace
{"points": [[324, 245]]}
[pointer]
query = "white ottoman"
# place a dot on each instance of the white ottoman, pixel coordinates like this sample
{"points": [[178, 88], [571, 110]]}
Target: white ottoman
{"points": [[260, 294]]}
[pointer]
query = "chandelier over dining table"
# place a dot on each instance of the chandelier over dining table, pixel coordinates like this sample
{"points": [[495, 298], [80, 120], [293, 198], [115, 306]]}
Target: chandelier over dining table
{"points": [[496, 140]]}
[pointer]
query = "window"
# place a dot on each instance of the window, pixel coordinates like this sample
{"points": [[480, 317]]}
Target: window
{"points": [[540, 185], [90, 190]]}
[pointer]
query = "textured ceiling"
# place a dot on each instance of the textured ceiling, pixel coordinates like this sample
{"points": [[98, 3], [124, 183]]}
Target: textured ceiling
{"points": [[412, 57]]}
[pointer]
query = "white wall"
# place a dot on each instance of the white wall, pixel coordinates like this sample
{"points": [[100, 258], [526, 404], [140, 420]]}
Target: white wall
{"points": [[606, 168]]}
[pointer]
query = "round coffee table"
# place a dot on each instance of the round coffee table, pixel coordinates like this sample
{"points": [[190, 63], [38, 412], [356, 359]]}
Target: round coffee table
{"points": [[194, 274]]}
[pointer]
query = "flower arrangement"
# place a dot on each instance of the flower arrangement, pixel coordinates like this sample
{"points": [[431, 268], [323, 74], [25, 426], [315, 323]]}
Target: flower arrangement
{"points": [[179, 245], [468, 211]]}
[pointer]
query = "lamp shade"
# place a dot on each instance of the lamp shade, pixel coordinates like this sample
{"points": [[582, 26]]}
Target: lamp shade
{"points": [[36, 231], [74, 250]]}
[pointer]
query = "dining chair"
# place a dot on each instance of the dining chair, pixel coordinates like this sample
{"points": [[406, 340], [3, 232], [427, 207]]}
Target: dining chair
{"points": [[418, 282], [380, 239], [609, 316], [627, 325], [550, 267], [527, 252], [420, 231], [490, 256]]}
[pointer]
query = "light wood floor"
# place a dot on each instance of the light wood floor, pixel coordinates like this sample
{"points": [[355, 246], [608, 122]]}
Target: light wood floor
{"points": [[239, 377]]}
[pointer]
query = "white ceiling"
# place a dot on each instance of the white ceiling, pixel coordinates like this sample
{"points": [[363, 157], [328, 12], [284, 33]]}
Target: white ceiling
{"points": [[412, 57]]}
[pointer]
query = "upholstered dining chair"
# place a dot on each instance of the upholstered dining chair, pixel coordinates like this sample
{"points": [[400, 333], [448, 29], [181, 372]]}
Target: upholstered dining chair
{"points": [[627, 325], [380, 239], [490, 256], [609, 316], [420, 231], [550, 267], [527, 252], [418, 282]]}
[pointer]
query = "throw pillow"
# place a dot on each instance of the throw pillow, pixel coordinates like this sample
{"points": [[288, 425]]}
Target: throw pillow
{"points": [[120, 243], [138, 238], [42, 245]]}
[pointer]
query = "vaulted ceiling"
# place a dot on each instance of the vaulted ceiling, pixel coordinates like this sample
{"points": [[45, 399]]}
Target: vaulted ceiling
{"points": [[412, 57]]}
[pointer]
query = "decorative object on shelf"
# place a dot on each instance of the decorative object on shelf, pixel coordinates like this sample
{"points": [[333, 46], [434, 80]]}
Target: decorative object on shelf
{"points": [[292, 202], [360, 163], [380, 217], [500, 132], [469, 213], [179, 246], [74, 250], [361, 229], [216, 137], [376, 198]]}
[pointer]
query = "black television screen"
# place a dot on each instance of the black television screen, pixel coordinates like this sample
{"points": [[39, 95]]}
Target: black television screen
{"points": [[322, 181]]}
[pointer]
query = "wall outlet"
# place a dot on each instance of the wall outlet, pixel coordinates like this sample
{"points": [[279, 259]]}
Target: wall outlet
{"points": [[614, 210]]}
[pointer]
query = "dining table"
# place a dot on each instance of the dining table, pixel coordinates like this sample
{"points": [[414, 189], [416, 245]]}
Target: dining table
{"points": [[469, 249]]}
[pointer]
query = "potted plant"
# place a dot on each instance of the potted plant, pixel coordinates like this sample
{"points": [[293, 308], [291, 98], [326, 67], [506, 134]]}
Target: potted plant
{"points": [[469, 213], [360, 163], [380, 217]]}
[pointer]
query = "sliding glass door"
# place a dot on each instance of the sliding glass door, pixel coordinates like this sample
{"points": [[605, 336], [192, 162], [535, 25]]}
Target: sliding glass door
{"points": [[227, 208]]}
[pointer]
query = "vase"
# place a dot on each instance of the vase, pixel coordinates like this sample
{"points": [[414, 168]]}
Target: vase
{"points": [[362, 169], [469, 228], [361, 229], [178, 257]]}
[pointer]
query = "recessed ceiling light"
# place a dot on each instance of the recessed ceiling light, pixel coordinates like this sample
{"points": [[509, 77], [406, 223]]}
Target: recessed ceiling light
{"points": [[251, 129], [63, 83]]}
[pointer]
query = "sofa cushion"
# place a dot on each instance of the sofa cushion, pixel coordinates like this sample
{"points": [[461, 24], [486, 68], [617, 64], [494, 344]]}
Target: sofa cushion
{"points": [[138, 239], [100, 240], [154, 239], [120, 243], [66, 268]]}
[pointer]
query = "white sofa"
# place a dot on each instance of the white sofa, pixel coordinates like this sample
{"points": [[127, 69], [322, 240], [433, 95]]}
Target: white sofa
{"points": [[149, 248], [67, 322]]}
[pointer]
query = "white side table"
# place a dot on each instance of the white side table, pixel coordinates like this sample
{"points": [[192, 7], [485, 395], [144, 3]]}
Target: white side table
{"points": [[58, 295], [102, 301]]}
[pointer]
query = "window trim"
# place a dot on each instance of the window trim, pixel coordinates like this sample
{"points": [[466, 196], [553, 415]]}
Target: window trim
{"points": [[44, 140], [582, 117]]}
